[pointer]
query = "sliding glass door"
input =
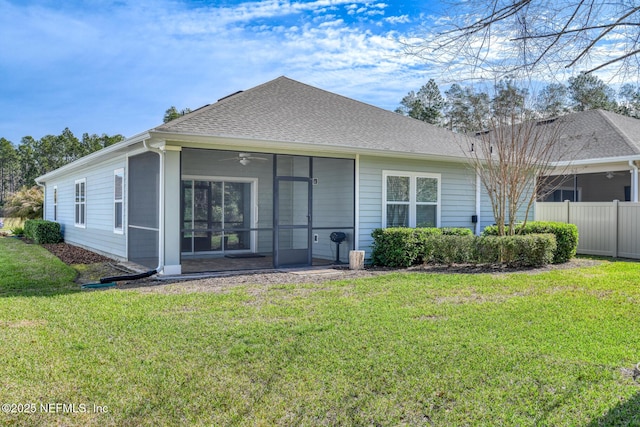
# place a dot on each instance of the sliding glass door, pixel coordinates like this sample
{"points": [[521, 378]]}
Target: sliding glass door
{"points": [[217, 216]]}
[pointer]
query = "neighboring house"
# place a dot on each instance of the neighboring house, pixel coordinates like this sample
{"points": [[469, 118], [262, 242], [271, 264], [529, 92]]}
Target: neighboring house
{"points": [[605, 166], [262, 178]]}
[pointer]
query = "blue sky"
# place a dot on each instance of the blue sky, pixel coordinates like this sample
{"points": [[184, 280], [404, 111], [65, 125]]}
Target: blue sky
{"points": [[102, 66]]}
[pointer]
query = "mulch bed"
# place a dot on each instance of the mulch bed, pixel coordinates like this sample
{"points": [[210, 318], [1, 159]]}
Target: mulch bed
{"points": [[70, 254]]}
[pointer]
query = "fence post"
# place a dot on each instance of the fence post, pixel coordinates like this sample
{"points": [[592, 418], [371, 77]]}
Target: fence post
{"points": [[614, 225], [568, 203]]}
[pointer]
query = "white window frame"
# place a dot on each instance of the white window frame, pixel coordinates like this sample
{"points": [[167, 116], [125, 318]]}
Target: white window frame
{"points": [[118, 203], [55, 203], [80, 202], [413, 177]]}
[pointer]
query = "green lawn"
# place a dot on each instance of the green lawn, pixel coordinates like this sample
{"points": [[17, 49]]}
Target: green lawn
{"points": [[556, 348]]}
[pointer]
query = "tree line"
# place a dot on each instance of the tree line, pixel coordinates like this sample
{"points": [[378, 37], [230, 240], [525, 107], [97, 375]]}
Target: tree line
{"points": [[465, 109], [21, 164]]}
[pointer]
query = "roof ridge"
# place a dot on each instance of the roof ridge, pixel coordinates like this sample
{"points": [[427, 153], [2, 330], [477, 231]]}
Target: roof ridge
{"points": [[356, 101], [207, 107], [618, 129]]}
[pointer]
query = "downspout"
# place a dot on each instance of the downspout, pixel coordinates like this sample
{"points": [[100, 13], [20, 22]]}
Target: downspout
{"points": [[44, 198], [161, 206], [634, 181], [478, 202]]}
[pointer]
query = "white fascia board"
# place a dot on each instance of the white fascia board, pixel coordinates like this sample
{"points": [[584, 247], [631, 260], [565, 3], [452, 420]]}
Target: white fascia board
{"points": [[280, 147], [586, 162], [89, 158]]}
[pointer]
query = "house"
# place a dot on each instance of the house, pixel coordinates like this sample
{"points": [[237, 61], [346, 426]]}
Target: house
{"points": [[264, 178], [605, 167]]}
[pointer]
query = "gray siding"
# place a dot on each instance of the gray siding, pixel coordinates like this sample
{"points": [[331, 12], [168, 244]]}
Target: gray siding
{"points": [[98, 234], [457, 198]]}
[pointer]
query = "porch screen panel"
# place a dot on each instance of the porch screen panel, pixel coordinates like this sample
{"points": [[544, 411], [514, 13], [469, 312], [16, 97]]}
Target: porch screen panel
{"points": [[333, 207], [143, 209]]}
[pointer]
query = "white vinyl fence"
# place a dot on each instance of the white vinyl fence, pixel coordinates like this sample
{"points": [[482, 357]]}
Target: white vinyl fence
{"points": [[605, 228]]}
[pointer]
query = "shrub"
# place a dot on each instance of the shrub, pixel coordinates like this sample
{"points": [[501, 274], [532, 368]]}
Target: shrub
{"points": [[42, 231], [458, 231], [533, 250], [566, 236], [394, 247], [402, 247], [451, 249]]}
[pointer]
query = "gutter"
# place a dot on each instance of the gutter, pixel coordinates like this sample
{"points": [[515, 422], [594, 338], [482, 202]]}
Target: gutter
{"points": [[596, 161], [276, 146], [88, 159]]}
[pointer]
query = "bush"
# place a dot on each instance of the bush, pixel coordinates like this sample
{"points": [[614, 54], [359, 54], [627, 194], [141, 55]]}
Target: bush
{"points": [[566, 236], [402, 247], [42, 231], [533, 250]]}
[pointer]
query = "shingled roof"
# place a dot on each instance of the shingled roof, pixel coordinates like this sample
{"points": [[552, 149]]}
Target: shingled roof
{"points": [[601, 134], [284, 110]]}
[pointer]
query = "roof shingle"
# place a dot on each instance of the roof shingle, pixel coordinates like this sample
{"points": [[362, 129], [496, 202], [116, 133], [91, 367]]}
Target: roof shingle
{"points": [[284, 110]]}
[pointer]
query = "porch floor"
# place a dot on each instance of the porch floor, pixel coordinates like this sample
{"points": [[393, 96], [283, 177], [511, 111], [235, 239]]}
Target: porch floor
{"points": [[205, 265]]}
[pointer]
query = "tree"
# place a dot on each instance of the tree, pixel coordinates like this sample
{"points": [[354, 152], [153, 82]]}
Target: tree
{"points": [[91, 143], [509, 100], [26, 203], [588, 92], [508, 159], [552, 101], [544, 35], [8, 168], [629, 104], [426, 105], [172, 113], [466, 110]]}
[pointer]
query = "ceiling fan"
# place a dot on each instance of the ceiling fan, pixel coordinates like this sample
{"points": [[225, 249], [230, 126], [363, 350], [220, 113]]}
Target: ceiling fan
{"points": [[244, 158]]}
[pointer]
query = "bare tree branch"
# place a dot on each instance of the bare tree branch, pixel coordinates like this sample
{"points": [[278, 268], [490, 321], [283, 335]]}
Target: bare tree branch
{"points": [[503, 36]]}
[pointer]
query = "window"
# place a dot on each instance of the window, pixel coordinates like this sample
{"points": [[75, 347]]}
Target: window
{"points": [[81, 203], [118, 200], [55, 203], [411, 199], [564, 193]]}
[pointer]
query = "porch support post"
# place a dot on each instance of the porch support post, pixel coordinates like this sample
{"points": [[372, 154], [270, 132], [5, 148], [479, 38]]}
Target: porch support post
{"points": [[634, 181], [172, 210]]}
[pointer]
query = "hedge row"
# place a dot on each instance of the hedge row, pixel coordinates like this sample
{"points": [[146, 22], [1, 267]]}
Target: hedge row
{"points": [[42, 231], [566, 236], [403, 247]]}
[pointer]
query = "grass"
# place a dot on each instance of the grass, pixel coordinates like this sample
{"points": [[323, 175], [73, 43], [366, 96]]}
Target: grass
{"points": [[555, 348]]}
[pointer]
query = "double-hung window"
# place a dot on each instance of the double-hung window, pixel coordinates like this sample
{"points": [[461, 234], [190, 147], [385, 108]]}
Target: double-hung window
{"points": [[118, 200], [411, 199], [81, 203]]}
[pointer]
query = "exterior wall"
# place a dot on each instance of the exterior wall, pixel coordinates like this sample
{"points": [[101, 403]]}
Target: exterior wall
{"points": [[98, 234], [457, 198]]}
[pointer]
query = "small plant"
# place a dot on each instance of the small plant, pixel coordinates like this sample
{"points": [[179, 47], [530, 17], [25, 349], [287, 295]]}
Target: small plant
{"points": [[17, 231]]}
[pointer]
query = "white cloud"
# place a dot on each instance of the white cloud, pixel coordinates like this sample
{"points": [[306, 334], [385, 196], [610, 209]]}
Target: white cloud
{"points": [[402, 19]]}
